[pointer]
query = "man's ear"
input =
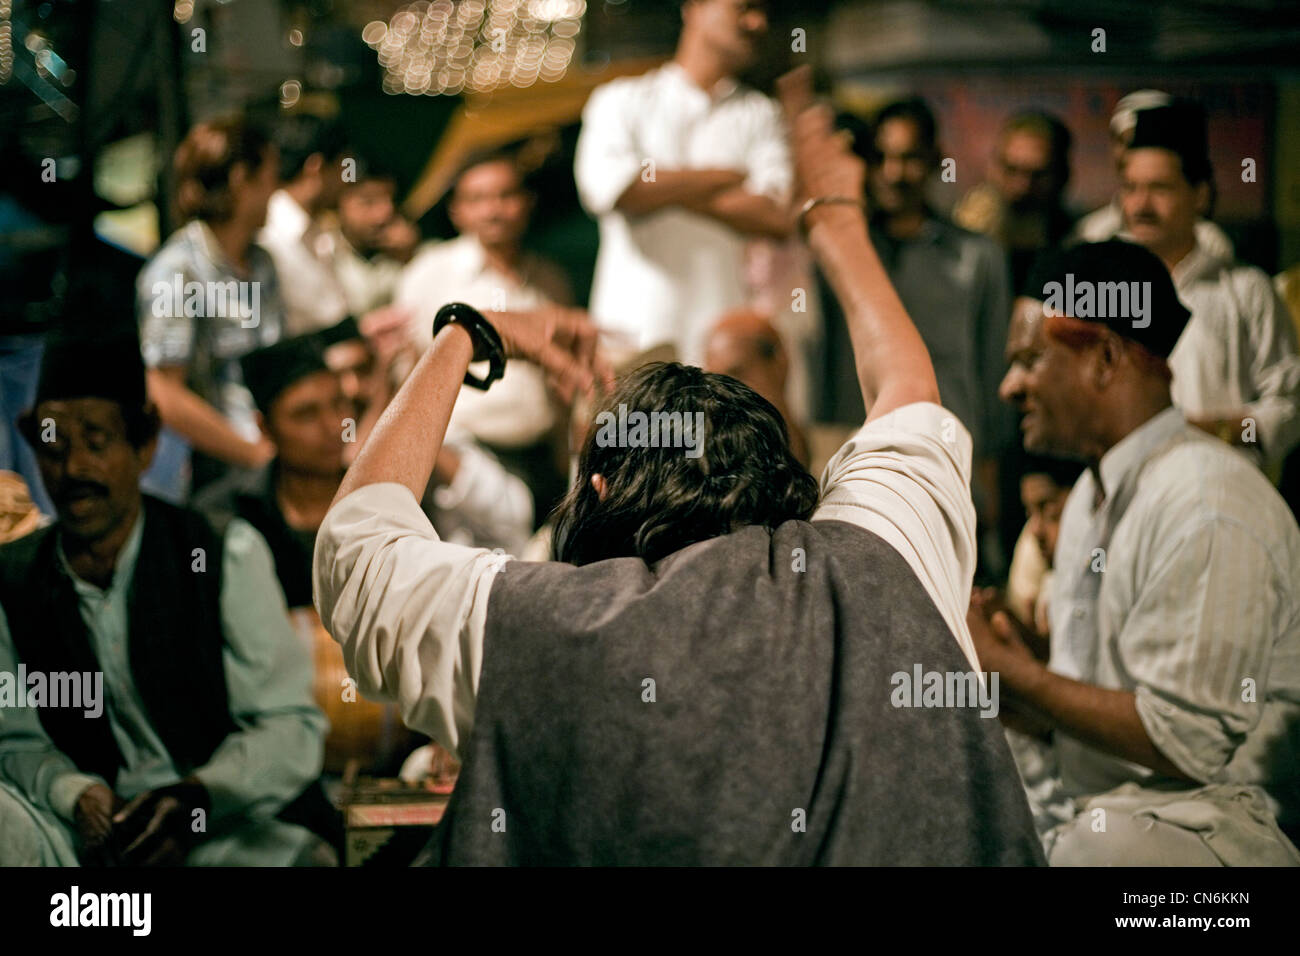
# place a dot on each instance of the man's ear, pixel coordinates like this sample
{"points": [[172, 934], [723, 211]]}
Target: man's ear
{"points": [[1201, 197], [453, 213], [1107, 356], [262, 426], [153, 424]]}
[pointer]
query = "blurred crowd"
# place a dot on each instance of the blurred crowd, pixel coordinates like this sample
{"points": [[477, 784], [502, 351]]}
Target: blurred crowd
{"points": [[326, 296]]}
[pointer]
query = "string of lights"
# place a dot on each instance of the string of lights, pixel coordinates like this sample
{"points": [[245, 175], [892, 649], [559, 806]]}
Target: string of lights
{"points": [[454, 46]]}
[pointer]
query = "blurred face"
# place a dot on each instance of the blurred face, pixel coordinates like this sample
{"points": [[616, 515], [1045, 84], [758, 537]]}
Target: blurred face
{"points": [[732, 29], [365, 210], [490, 203], [252, 188], [742, 358], [902, 166], [1045, 381], [331, 181], [90, 469], [306, 424], [1160, 206], [1022, 171], [354, 365], [1044, 501]]}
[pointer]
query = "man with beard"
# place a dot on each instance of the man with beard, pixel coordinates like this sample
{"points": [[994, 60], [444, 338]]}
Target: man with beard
{"points": [[1236, 371], [1170, 699], [209, 745]]}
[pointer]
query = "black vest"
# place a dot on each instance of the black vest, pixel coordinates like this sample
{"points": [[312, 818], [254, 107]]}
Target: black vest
{"points": [[772, 737], [175, 645]]}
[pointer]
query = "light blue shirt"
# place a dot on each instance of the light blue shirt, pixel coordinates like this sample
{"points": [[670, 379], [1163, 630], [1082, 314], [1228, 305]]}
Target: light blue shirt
{"points": [[253, 773]]}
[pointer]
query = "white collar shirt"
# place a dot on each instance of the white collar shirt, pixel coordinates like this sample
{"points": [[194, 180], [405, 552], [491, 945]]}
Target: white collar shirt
{"points": [[312, 295], [1237, 352], [1176, 581], [516, 411]]}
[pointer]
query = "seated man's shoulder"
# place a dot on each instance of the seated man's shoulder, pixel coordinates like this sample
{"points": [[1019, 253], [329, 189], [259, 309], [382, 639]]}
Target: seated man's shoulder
{"points": [[220, 498], [1200, 478]]}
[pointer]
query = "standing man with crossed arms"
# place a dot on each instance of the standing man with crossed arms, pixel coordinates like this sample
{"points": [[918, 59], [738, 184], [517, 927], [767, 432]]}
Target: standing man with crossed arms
{"points": [[681, 166]]}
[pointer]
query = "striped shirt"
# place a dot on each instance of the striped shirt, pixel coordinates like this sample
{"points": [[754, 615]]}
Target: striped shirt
{"points": [[1176, 580]]}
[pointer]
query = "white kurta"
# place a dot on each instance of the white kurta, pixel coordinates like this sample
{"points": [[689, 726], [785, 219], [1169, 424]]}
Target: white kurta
{"points": [[313, 298], [1238, 351], [515, 411], [667, 276], [1180, 586]]}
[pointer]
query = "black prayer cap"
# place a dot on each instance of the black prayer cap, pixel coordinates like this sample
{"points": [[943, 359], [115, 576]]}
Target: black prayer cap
{"points": [[344, 331], [1180, 128], [88, 366], [269, 371], [1062, 274]]}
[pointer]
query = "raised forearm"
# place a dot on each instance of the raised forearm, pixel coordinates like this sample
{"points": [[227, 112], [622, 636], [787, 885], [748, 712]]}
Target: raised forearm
{"points": [[405, 442], [893, 365]]}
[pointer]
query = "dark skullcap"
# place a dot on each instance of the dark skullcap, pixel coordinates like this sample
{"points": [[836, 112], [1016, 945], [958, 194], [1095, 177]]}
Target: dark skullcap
{"points": [[269, 371], [1080, 279], [1180, 128], [92, 366]]}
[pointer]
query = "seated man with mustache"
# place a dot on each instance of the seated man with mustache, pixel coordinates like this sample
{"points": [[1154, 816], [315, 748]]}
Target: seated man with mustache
{"points": [[207, 747], [1171, 699], [705, 676]]}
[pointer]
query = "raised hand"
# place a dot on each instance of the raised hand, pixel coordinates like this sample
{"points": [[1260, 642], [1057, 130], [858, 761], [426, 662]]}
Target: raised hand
{"points": [[823, 162], [562, 342]]}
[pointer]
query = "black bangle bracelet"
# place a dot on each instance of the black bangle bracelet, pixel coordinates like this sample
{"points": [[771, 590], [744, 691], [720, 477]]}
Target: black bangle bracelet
{"points": [[487, 341]]}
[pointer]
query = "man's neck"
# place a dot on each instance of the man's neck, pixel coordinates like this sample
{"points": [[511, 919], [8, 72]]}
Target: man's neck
{"points": [[234, 237], [904, 225], [704, 67], [305, 194], [1125, 418], [94, 560], [304, 497], [1176, 252], [504, 258]]}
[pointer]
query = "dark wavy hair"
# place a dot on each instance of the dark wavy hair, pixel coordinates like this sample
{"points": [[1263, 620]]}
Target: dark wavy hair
{"points": [[657, 500]]}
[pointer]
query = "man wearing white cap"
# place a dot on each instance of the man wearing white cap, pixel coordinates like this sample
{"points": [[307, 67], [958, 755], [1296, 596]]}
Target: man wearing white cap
{"points": [[1108, 221]]}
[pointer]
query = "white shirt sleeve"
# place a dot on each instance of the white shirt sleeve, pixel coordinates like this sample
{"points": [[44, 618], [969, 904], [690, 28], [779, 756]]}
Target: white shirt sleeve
{"points": [[906, 477], [1275, 367], [1209, 613], [484, 501], [408, 609], [607, 160], [771, 172]]}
